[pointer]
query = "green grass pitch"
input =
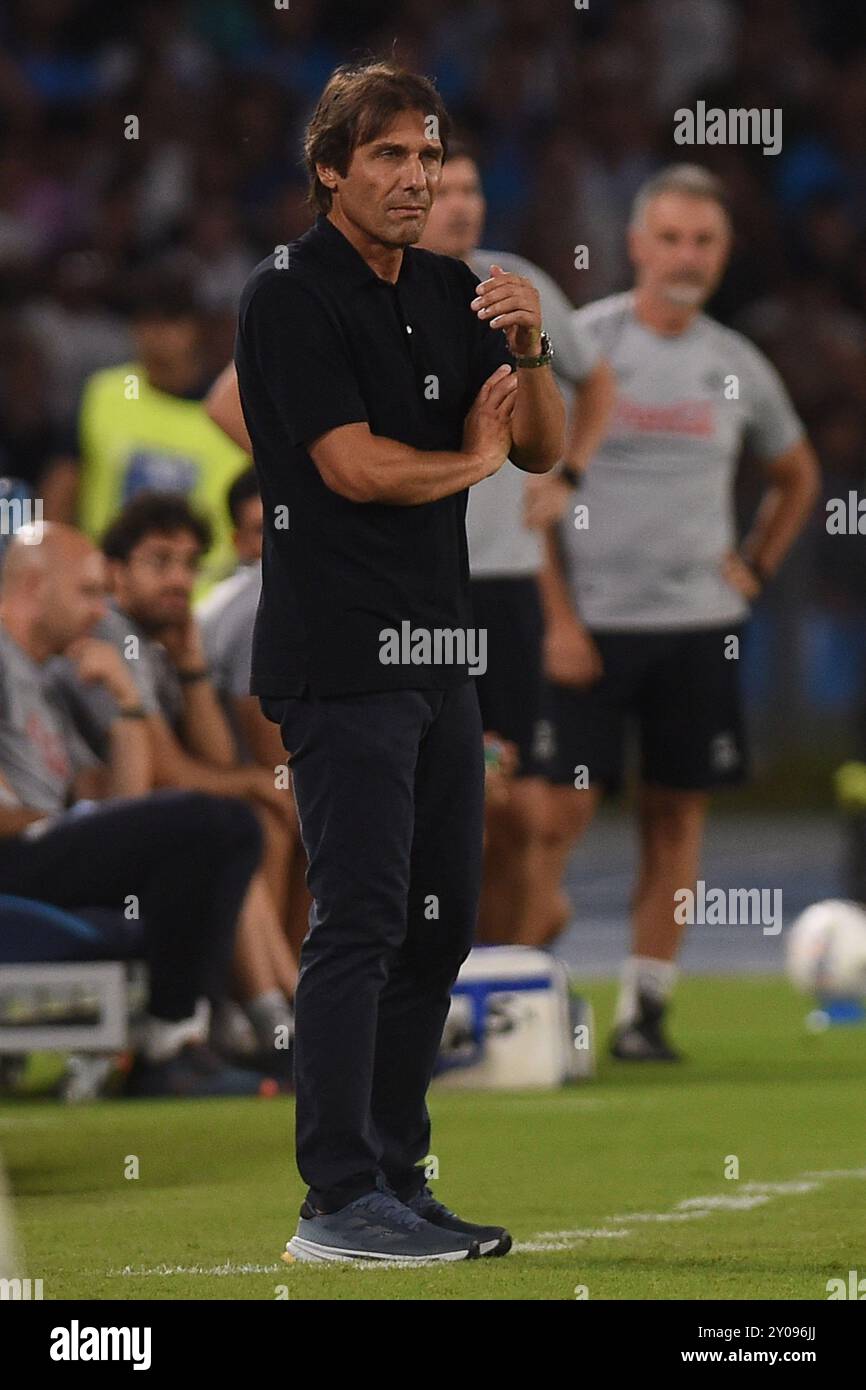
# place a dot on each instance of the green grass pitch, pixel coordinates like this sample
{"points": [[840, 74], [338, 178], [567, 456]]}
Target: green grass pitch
{"points": [[217, 1195]]}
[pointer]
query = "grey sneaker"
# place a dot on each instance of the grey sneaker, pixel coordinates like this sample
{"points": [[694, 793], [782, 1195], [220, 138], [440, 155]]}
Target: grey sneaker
{"points": [[376, 1227], [492, 1240]]}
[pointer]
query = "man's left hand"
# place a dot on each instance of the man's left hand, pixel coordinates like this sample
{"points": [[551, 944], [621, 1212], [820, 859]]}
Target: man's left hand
{"points": [[740, 577], [511, 302], [546, 499], [184, 646]]}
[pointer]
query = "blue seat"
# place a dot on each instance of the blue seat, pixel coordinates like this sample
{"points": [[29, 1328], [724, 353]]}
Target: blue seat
{"points": [[35, 932]]}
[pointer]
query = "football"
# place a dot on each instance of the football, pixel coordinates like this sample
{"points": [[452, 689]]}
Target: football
{"points": [[826, 950]]}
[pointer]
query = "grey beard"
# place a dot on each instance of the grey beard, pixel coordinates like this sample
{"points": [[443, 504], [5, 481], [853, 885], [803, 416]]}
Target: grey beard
{"points": [[685, 294]]}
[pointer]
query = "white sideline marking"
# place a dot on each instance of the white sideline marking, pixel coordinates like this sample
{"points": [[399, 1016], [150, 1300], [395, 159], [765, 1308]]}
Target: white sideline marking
{"points": [[600, 1234], [722, 1203], [781, 1189], [168, 1271], [755, 1194], [836, 1173], [663, 1215], [535, 1247]]}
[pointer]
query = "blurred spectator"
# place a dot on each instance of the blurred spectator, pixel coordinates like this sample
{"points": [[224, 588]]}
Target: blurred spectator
{"points": [[76, 330], [142, 425], [31, 445], [569, 110], [226, 617], [184, 860], [154, 549]]}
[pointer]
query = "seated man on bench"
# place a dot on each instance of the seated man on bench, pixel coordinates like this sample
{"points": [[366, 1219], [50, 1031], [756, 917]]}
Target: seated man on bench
{"points": [[77, 833]]}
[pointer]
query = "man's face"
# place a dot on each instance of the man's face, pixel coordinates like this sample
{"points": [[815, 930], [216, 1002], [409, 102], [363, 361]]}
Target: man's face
{"points": [[681, 248], [391, 182], [248, 531], [155, 584], [159, 340], [457, 217], [72, 598]]}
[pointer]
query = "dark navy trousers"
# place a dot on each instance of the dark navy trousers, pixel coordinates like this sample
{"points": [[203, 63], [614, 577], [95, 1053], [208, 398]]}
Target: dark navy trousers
{"points": [[390, 796]]}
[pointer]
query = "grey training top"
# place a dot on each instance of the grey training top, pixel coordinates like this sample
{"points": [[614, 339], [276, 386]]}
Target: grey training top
{"points": [[93, 709], [225, 617], [150, 667], [659, 490], [41, 750], [500, 546]]}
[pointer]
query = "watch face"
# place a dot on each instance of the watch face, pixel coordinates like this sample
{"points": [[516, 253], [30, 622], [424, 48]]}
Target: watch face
{"points": [[545, 349]]}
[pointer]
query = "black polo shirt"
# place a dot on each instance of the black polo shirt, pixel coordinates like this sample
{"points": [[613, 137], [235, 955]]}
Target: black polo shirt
{"points": [[325, 342]]}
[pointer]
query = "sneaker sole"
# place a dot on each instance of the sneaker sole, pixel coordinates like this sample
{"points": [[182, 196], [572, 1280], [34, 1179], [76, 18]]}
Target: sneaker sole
{"points": [[495, 1248], [644, 1056], [307, 1251]]}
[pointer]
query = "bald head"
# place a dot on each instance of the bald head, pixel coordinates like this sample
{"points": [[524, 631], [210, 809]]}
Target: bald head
{"points": [[52, 589], [35, 551]]}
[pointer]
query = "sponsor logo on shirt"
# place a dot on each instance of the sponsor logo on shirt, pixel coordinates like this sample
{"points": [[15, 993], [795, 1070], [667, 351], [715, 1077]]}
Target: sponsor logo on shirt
{"points": [[49, 746], [695, 418], [724, 752], [154, 470]]}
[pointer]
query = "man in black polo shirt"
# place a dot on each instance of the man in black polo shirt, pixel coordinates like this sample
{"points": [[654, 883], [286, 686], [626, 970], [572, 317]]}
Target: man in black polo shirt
{"points": [[376, 388]]}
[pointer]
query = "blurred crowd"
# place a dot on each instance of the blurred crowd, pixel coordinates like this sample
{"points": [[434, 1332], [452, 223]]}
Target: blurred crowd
{"points": [[149, 158], [167, 133]]}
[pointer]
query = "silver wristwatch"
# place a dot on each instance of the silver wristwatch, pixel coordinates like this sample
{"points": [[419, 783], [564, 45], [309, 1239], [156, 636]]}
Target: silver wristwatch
{"points": [[542, 358]]}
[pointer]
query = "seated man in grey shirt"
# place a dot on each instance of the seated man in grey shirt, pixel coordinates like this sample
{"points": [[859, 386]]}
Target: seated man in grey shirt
{"points": [[225, 617], [77, 833], [154, 549]]}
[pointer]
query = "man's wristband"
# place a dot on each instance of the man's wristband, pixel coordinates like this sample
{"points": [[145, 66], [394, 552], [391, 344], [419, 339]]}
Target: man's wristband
{"points": [[131, 712], [760, 575], [573, 476], [544, 355], [190, 677]]}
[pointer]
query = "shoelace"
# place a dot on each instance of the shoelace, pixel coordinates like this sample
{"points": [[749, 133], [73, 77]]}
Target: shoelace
{"points": [[429, 1200], [385, 1204]]}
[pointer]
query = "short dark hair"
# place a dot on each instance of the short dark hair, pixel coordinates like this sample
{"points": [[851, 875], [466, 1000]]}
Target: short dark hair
{"points": [[242, 489], [462, 148], [153, 514], [359, 101], [163, 293]]}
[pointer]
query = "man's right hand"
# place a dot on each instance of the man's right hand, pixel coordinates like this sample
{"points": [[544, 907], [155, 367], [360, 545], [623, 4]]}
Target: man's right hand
{"points": [[98, 662], [260, 784], [571, 657], [546, 499], [487, 427]]}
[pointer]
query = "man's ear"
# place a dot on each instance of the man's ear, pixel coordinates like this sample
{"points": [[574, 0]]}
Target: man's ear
{"points": [[327, 175], [633, 241], [113, 571]]}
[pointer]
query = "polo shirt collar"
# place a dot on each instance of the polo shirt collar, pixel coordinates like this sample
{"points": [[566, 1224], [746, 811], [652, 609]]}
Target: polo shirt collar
{"points": [[338, 250]]}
